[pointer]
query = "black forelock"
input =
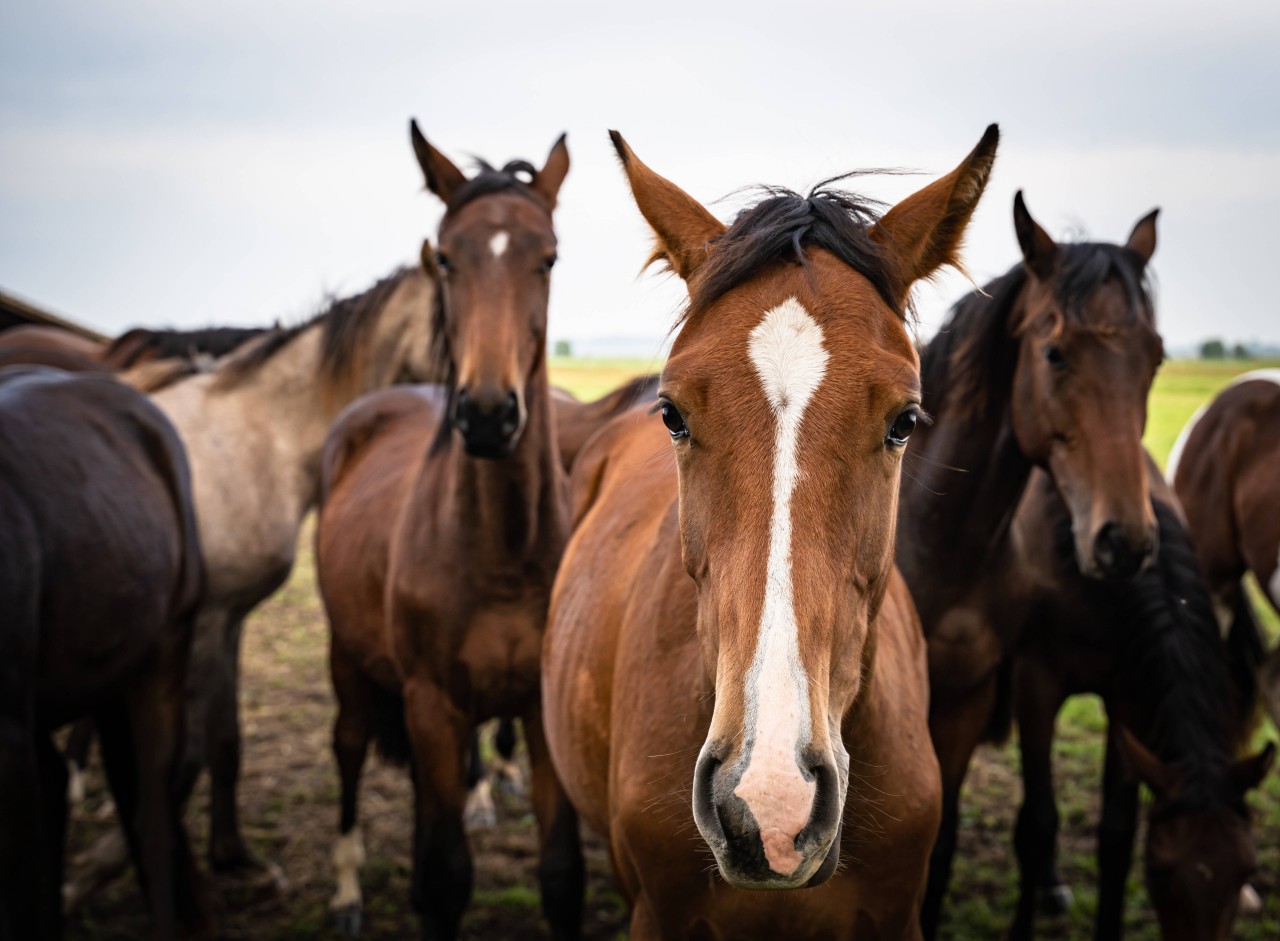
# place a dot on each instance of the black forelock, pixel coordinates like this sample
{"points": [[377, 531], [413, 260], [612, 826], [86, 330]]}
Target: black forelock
{"points": [[782, 225], [490, 180], [1086, 266]]}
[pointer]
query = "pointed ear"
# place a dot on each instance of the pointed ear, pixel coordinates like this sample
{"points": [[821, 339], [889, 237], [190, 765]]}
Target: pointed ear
{"points": [[924, 231], [548, 180], [1142, 240], [1039, 251], [428, 258], [443, 178], [682, 226], [1247, 773], [1150, 770]]}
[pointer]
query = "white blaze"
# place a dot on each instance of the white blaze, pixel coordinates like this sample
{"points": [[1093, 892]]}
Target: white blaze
{"points": [[498, 244], [790, 361]]}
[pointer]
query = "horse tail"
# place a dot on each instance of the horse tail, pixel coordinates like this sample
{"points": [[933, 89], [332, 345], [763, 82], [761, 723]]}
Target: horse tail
{"points": [[389, 730], [1000, 721], [1246, 652]]}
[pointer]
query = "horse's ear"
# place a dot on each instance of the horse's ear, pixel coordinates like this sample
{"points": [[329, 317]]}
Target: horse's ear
{"points": [[1142, 240], [443, 178], [683, 227], [428, 259], [924, 231], [1247, 773], [1153, 772], [1039, 251], [548, 179]]}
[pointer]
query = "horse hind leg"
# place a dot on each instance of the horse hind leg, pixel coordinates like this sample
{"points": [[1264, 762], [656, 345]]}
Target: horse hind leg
{"points": [[24, 912], [480, 812], [352, 730], [77, 754], [507, 770]]}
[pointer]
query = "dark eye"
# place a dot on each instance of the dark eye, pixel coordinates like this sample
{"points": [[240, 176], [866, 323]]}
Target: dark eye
{"points": [[1054, 356], [548, 264], [442, 262], [902, 427], [674, 421]]}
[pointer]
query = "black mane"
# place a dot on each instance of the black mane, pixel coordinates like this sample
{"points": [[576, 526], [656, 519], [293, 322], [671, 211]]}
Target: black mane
{"points": [[975, 350], [1173, 664], [490, 180], [126, 349], [781, 226], [344, 322]]}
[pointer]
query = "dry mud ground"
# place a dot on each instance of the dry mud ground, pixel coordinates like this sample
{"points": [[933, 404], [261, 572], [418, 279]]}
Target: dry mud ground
{"points": [[289, 800]]}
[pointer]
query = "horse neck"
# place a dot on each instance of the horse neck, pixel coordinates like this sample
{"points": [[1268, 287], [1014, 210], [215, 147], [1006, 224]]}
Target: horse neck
{"points": [[965, 475], [514, 509], [291, 385]]}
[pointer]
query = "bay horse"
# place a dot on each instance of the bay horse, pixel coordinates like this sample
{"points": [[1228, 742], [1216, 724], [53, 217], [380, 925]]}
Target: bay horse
{"points": [[443, 518], [734, 675], [1150, 647], [1049, 365], [55, 346], [100, 576], [254, 428], [1225, 467]]}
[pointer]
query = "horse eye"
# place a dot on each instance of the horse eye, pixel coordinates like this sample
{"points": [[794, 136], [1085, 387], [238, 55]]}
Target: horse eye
{"points": [[442, 261], [902, 427], [1054, 356], [674, 421], [549, 263]]}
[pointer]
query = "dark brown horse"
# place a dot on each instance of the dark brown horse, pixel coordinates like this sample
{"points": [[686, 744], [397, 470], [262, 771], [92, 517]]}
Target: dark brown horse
{"points": [[443, 519], [1049, 366], [1150, 647], [100, 574], [720, 693], [577, 421], [54, 346], [1225, 468]]}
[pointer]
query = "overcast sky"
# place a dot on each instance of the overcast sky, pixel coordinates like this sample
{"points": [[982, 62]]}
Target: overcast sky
{"points": [[177, 163]]}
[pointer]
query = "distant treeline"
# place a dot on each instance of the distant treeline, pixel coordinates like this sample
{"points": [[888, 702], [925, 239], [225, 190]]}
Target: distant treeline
{"points": [[1215, 348]]}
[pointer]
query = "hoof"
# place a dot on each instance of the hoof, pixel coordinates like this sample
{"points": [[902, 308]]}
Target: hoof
{"points": [[348, 921], [1057, 900], [1250, 901]]}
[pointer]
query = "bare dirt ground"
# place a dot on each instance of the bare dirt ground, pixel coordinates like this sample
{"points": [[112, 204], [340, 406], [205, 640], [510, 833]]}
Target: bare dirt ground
{"points": [[289, 807]]}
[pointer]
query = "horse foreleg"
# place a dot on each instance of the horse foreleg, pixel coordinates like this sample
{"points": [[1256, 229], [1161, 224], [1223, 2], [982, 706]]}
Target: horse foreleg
{"points": [[1038, 698], [227, 849], [956, 730], [480, 811], [351, 732], [442, 871], [1116, 833], [507, 771], [53, 814], [561, 870]]}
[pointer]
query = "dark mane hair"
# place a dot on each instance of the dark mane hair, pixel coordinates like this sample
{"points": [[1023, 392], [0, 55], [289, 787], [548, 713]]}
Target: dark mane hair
{"points": [[781, 226], [490, 180], [1174, 665], [974, 351], [345, 324], [126, 349]]}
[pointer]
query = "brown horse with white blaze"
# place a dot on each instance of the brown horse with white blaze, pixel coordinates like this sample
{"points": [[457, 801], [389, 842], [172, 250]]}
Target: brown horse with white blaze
{"points": [[444, 515], [730, 645]]}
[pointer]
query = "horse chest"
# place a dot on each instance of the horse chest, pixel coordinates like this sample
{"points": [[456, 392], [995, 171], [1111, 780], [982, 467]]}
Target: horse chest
{"points": [[487, 657]]}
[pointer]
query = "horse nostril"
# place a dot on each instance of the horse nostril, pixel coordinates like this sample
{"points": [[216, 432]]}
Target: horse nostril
{"points": [[511, 413]]}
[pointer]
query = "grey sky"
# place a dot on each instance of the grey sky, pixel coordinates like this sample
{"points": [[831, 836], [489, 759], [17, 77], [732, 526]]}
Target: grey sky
{"points": [[180, 163]]}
